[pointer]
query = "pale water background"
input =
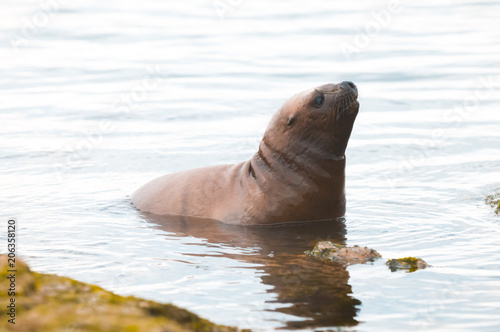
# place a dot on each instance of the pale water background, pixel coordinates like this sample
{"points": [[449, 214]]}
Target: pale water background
{"points": [[98, 97]]}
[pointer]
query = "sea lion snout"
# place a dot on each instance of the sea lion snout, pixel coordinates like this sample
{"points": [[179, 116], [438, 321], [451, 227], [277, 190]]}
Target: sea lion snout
{"points": [[345, 88], [348, 85], [349, 93]]}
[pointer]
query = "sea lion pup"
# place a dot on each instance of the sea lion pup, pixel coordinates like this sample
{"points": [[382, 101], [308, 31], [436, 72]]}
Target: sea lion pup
{"points": [[297, 174]]}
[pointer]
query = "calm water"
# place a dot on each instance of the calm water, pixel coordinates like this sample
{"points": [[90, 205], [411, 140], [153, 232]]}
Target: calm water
{"points": [[99, 97]]}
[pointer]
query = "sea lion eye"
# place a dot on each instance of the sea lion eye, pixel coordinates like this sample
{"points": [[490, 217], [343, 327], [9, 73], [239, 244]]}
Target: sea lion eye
{"points": [[319, 100]]}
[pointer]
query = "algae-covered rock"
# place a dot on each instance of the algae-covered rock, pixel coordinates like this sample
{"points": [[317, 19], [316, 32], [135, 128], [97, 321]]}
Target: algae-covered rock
{"points": [[411, 264], [343, 254], [357, 255], [45, 302], [494, 202]]}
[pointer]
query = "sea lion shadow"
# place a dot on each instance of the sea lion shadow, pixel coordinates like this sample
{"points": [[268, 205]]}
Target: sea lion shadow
{"points": [[316, 292]]}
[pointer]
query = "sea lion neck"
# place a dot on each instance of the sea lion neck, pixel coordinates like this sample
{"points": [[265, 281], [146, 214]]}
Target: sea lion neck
{"points": [[303, 160]]}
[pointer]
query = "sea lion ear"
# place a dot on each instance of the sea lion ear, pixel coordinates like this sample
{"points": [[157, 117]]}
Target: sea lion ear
{"points": [[291, 120]]}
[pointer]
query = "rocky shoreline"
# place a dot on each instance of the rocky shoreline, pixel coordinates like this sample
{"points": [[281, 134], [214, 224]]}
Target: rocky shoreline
{"points": [[46, 302]]}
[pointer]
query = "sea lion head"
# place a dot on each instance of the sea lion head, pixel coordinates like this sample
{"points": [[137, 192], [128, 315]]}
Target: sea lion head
{"points": [[315, 122]]}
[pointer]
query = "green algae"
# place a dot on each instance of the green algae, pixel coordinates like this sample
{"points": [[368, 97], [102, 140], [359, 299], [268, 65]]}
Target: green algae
{"points": [[494, 202], [46, 302], [410, 264]]}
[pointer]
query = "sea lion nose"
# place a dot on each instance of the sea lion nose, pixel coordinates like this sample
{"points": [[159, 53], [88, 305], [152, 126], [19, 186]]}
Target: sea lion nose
{"points": [[349, 85]]}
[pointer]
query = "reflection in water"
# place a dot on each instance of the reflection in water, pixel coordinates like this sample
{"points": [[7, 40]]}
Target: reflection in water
{"points": [[315, 291]]}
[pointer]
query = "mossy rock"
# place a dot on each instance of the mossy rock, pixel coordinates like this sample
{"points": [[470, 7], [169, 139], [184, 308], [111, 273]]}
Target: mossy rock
{"points": [[410, 264], [343, 254], [494, 202], [46, 302]]}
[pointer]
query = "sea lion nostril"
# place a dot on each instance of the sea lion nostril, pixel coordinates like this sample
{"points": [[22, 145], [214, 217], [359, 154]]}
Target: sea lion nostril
{"points": [[348, 84]]}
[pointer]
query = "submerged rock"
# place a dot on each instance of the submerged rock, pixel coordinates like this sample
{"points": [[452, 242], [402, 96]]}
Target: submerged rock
{"points": [[494, 202], [343, 254], [46, 302], [411, 264], [358, 255]]}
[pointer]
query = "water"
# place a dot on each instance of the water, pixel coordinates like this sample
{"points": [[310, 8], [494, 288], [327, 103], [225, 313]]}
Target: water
{"points": [[99, 97]]}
